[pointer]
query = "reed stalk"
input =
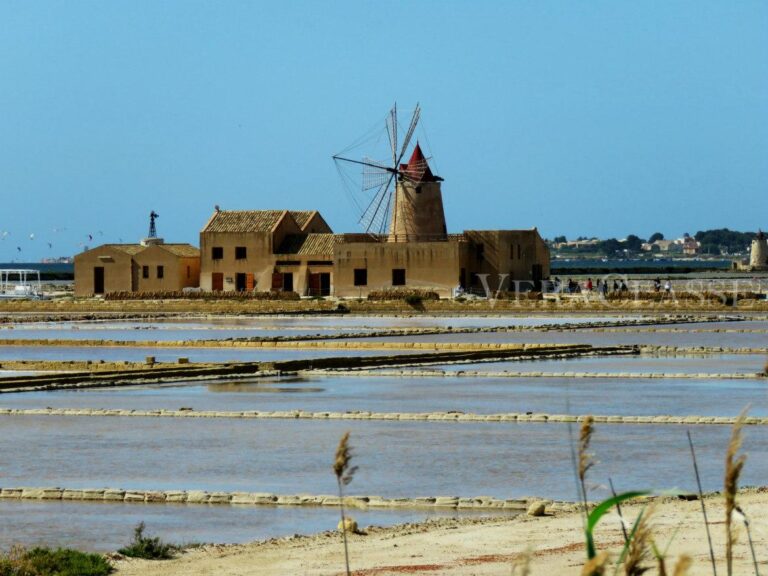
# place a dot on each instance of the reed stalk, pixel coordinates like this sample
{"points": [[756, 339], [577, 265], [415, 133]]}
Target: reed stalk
{"points": [[344, 475], [703, 506], [734, 463]]}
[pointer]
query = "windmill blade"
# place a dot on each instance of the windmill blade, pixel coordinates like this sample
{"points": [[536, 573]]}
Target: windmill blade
{"points": [[374, 218], [373, 177], [409, 134], [392, 133]]}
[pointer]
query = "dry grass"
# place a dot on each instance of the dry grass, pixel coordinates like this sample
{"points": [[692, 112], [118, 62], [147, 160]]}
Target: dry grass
{"points": [[597, 566], [344, 475], [639, 549], [585, 460]]}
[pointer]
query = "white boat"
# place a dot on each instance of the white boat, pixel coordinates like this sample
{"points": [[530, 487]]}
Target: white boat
{"points": [[20, 284]]}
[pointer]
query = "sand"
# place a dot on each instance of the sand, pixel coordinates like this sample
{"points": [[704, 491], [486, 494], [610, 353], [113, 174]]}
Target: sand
{"points": [[475, 547]]}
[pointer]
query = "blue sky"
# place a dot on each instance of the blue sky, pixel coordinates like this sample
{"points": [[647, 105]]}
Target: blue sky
{"points": [[580, 118]]}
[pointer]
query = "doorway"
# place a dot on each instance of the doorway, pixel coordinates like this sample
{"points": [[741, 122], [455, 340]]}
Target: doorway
{"points": [[241, 283], [217, 282], [98, 280]]}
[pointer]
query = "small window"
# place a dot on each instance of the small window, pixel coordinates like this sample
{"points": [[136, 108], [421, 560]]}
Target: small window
{"points": [[160, 271], [519, 255], [240, 253], [512, 251], [398, 277], [479, 252], [145, 271], [361, 277], [217, 253]]}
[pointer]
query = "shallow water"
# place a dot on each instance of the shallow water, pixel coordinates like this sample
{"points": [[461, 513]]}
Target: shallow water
{"points": [[585, 336], [712, 364], [105, 527], [223, 328], [138, 354], [395, 458], [484, 395]]}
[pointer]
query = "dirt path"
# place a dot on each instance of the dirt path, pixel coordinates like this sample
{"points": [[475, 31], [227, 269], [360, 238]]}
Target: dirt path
{"points": [[472, 547]]}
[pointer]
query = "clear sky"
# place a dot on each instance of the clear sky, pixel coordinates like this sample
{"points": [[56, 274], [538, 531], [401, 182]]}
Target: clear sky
{"points": [[579, 118]]}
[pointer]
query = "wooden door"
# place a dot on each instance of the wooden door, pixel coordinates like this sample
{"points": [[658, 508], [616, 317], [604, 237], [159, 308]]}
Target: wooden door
{"points": [[314, 284], [249, 283], [98, 280], [325, 283], [217, 282]]}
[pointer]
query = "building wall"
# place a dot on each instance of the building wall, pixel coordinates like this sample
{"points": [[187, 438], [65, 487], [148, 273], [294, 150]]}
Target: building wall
{"points": [[758, 256], [175, 275], [428, 265], [117, 270], [522, 255], [258, 259], [418, 213]]}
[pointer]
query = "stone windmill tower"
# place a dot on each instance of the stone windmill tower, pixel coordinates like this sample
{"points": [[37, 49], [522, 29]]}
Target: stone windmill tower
{"points": [[758, 256], [405, 200], [417, 212]]}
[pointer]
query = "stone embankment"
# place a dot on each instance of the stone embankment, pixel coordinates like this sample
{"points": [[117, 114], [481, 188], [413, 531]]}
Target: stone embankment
{"points": [[267, 499], [425, 373], [438, 307], [452, 416], [186, 372]]}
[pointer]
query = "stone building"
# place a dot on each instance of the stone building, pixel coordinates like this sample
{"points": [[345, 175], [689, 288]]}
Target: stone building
{"points": [[297, 251], [150, 266], [262, 250], [758, 255]]}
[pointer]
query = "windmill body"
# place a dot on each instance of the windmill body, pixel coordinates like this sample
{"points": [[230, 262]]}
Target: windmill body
{"points": [[417, 212]]}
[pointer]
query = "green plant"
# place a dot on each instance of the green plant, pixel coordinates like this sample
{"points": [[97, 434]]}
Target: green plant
{"points": [[149, 548], [46, 562]]}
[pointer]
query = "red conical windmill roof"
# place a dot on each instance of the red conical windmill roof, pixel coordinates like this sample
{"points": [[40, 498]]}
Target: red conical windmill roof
{"points": [[418, 168]]}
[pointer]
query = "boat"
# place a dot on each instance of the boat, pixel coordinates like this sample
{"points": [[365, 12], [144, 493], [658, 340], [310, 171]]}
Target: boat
{"points": [[20, 284]]}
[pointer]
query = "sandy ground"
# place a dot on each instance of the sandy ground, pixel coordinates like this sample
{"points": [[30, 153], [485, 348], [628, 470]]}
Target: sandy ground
{"points": [[475, 547]]}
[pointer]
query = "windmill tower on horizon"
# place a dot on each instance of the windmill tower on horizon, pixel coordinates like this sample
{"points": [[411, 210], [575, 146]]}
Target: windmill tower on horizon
{"points": [[405, 200]]}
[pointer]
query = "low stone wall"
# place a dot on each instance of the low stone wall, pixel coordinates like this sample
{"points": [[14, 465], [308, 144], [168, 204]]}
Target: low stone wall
{"points": [[186, 372], [532, 374], [453, 416], [268, 499]]}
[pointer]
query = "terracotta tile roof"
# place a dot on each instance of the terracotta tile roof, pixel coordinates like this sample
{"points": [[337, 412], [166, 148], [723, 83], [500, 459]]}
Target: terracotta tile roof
{"points": [[127, 248], [243, 220], [182, 250], [309, 244], [302, 216]]}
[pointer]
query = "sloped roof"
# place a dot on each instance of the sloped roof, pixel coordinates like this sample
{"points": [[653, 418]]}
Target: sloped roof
{"points": [[127, 248], [181, 250], [243, 220], [301, 216], [309, 244], [417, 168]]}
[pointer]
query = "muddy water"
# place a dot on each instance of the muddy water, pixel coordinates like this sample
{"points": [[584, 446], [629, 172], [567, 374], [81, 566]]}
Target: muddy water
{"points": [[395, 458]]}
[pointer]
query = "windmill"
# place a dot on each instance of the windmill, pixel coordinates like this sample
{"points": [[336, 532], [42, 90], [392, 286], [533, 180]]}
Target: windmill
{"points": [[378, 180]]}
